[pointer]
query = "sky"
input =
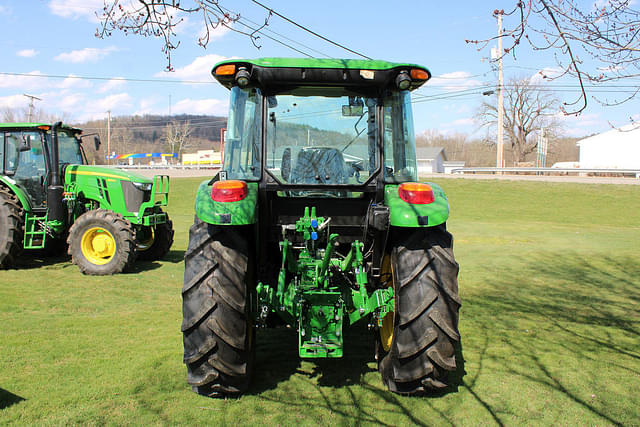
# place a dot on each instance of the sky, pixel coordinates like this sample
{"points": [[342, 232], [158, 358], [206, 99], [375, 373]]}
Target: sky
{"points": [[50, 51]]}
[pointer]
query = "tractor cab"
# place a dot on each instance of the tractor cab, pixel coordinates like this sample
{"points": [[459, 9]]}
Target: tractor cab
{"points": [[27, 156], [316, 221]]}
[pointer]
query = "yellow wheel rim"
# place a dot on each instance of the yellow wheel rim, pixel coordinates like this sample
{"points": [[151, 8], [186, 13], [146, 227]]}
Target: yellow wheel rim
{"points": [[386, 331], [145, 243], [98, 246]]}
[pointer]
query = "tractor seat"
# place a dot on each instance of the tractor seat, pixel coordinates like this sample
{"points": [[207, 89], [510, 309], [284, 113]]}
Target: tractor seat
{"points": [[319, 165]]}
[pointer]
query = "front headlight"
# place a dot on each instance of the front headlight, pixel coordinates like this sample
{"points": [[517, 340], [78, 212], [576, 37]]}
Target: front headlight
{"points": [[144, 186]]}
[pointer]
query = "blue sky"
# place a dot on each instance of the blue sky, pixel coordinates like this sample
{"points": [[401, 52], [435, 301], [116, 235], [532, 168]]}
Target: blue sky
{"points": [[57, 38]]}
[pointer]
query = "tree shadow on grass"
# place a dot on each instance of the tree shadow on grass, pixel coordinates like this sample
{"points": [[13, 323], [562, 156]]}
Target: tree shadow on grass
{"points": [[563, 294], [277, 361], [9, 399]]}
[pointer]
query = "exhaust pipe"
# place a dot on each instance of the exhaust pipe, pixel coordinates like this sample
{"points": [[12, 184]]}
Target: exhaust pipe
{"points": [[57, 211]]}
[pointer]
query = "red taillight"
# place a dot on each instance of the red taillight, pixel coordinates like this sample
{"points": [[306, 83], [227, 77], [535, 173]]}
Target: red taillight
{"points": [[416, 193], [229, 191]]}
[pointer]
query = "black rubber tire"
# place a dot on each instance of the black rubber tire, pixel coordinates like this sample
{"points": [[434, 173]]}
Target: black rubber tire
{"points": [[218, 334], [120, 229], [425, 325], [11, 228], [162, 241]]}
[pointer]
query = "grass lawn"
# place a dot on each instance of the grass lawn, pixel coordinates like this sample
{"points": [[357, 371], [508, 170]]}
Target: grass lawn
{"points": [[550, 325]]}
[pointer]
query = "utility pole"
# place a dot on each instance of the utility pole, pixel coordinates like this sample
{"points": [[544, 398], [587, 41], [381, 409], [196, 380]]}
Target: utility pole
{"points": [[499, 161], [108, 137], [31, 98]]}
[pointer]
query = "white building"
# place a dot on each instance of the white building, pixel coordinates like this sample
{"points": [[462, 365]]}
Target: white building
{"points": [[614, 149], [430, 159]]}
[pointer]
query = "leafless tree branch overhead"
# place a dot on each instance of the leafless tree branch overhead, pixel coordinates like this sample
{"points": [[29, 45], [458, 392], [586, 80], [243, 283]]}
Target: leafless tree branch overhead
{"points": [[159, 19], [594, 42]]}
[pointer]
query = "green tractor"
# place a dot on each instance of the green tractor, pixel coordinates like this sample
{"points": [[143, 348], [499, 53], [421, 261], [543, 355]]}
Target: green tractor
{"points": [[50, 198], [316, 221]]}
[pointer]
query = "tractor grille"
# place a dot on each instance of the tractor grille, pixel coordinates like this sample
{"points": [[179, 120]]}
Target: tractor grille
{"points": [[133, 196]]}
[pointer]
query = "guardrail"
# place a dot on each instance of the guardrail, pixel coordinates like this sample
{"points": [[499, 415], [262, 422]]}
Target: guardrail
{"points": [[545, 171]]}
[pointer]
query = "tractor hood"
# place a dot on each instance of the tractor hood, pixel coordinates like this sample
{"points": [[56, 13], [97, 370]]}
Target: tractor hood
{"points": [[73, 172]]}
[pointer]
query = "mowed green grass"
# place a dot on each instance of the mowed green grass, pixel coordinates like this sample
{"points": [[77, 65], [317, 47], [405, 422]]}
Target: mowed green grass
{"points": [[550, 283]]}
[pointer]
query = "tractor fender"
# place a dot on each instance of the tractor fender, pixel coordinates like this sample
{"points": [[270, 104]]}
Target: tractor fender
{"points": [[242, 212], [403, 214], [10, 183]]}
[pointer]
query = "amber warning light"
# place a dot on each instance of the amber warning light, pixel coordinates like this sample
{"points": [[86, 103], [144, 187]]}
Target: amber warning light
{"points": [[416, 193], [229, 191]]}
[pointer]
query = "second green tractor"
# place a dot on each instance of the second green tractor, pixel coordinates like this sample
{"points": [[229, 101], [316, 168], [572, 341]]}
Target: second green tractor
{"points": [[51, 200]]}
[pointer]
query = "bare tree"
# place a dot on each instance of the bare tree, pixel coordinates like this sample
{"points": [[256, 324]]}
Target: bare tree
{"points": [[159, 18], [177, 136], [528, 108], [606, 32]]}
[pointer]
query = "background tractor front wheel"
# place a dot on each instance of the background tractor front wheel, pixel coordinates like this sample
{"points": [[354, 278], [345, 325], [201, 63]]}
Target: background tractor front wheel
{"points": [[154, 242], [101, 242], [218, 334], [416, 346], [11, 228]]}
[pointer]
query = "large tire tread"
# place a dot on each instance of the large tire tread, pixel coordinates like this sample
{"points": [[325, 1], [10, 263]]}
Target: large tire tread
{"points": [[118, 226], [11, 228], [162, 242], [425, 330], [217, 336]]}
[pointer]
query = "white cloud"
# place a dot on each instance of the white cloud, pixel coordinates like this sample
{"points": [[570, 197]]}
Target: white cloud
{"points": [[27, 53], [198, 70], [72, 82], [75, 9], [111, 85], [28, 81], [88, 54], [457, 80], [209, 106], [545, 75], [13, 101], [115, 102], [583, 124]]}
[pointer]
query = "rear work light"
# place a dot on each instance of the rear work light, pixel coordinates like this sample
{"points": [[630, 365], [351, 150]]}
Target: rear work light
{"points": [[226, 70], [416, 193], [229, 191], [418, 74]]}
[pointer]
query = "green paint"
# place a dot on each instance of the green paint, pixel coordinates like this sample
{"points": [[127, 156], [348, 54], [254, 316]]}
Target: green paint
{"points": [[403, 214], [313, 298], [25, 201], [348, 64], [242, 212]]}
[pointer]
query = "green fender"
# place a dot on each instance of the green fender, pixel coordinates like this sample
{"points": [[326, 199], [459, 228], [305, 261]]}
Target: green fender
{"points": [[403, 214], [242, 212], [25, 201]]}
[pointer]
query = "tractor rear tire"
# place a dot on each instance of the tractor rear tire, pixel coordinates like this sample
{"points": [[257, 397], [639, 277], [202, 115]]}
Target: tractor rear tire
{"points": [[101, 242], [158, 242], [11, 228], [421, 351], [218, 334]]}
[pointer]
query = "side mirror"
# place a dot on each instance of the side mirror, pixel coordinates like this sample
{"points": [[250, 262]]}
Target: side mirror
{"points": [[352, 110], [96, 142], [285, 167], [25, 143]]}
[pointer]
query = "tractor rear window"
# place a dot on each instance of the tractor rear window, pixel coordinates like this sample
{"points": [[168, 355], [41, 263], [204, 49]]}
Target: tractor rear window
{"points": [[317, 140], [242, 151]]}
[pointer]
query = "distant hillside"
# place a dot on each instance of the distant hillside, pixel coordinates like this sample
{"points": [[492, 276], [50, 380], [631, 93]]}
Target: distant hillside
{"points": [[141, 134]]}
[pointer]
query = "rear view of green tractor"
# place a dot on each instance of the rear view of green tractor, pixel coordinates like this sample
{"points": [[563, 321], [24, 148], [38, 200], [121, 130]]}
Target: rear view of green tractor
{"points": [[317, 221], [50, 197]]}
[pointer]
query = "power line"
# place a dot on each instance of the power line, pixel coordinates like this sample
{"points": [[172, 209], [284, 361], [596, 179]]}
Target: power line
{"points": [[310, 31], [124, 79]]}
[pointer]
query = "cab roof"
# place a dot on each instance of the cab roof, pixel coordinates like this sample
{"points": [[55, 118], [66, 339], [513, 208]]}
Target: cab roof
{"points": [[33, 125], [281, 73]]}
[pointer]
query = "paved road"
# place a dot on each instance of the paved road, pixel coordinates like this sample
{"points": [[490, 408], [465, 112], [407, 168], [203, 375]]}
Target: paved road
{"points": [[182, 173]]}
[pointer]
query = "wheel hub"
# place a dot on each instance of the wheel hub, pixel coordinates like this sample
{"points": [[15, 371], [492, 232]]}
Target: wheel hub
{"points": [[98, 246]]}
